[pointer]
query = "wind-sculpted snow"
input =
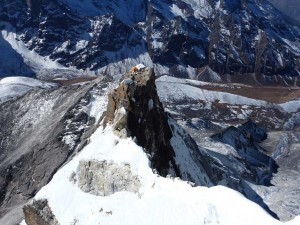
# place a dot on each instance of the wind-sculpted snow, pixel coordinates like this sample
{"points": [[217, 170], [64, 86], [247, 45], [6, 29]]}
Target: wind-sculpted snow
{"points": [[159, 200]]}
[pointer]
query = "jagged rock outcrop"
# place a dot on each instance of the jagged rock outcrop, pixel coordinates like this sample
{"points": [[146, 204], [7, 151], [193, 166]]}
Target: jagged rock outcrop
{"points": [[104, 179], [134, 110], [39, 213], [134, 107], [41, 131], [245, 140], [243, 41]]}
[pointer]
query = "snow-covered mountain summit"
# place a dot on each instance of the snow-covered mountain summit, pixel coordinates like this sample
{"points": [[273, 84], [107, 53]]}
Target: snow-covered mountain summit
{"points": [[240, 40], [115, 178]]}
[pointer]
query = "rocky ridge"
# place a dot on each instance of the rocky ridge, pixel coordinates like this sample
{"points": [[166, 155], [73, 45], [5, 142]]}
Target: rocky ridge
{"points": [[246, 139], [135, 110], [238, 41], [130, 103], [39, 213], [206, 109], [135, 107], [46, 129]]}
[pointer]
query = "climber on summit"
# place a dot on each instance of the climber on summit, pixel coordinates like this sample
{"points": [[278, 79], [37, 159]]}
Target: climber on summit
{"points": [[137, 68]]}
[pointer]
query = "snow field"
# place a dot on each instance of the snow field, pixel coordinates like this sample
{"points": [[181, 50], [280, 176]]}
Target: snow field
{"points": [[175, 89], [159, 201]]}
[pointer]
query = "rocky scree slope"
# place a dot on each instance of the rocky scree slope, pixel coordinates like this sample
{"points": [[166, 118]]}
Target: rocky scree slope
{"points": [[46, 128], [243, 41], [49, 127]]}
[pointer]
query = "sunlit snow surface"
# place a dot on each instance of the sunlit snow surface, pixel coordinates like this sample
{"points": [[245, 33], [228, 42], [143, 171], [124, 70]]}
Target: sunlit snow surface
{"points": [[11, 87], [18, 55], [185, 89], [159, 201]]}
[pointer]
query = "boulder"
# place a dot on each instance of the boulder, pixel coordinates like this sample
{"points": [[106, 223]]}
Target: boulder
{"points": [[39, 213]]}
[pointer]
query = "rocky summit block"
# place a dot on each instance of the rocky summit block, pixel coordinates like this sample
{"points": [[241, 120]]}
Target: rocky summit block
{"points": [[135, 110], [103, 179], [39, 213]]}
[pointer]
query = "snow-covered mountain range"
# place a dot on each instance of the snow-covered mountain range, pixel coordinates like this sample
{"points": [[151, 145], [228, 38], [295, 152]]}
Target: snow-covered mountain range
{"points": [[221, 112], [87, 153], [193, 137], [242, 41], [289, 7]]}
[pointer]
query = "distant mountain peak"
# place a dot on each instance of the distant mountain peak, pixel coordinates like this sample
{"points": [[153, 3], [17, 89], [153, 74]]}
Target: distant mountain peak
{"points": [[237, 39]]}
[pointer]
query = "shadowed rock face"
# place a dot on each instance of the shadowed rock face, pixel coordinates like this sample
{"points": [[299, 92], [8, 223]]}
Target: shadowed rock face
{"points": [[39, 213], [143, 118], [289, 7], [243, 41], [34, 6], [245, 140]]}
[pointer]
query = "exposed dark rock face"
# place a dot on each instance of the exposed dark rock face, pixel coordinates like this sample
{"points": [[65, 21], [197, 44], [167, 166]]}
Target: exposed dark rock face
{"points": [[144, 118], [135, 110], [232, 43], [39, 133], [39, 213], [34, 6], [290, 8], [243, 41], [229, 170], [245, 140]]}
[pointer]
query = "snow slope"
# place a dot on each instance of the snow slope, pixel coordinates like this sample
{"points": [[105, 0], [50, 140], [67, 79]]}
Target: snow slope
{"points": [[11, 62], [185, 90], [30, 56], [159, 200], [30, 60], [11, 87]]}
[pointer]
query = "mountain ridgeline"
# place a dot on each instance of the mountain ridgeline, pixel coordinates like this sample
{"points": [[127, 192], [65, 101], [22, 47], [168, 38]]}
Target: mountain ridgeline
{"points": [[226, 40]]}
